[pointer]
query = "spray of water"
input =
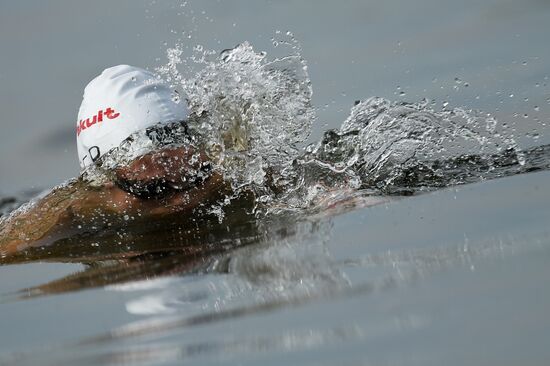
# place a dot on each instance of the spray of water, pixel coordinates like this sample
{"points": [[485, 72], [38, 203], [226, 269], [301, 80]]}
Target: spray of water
{"points": [[255, 112], [252, 114]]}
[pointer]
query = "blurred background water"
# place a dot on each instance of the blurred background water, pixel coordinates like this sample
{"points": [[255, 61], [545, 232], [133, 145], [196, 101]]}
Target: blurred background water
{"points": [[454, 277]]}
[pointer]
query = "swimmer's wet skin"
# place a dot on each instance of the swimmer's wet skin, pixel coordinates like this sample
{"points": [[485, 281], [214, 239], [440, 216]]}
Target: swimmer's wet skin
{"points": [[142, 200], [156, 185], [79, 205]]}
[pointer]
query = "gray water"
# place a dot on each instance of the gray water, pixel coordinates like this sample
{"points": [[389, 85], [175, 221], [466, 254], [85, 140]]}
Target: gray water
{"points": [[456, 276]]}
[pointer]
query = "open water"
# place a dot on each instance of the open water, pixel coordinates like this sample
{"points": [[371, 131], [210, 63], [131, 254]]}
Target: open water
{"points": [[408, 144]]}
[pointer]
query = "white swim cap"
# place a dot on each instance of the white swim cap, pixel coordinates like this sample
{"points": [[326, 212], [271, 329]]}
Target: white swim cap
{"points": [[122, 100]]}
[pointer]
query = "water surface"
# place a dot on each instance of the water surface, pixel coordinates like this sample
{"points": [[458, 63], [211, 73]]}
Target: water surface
{"points": [[419, 280], [454, 276]]}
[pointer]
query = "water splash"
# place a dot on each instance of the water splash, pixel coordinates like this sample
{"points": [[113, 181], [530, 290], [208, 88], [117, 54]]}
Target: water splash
{"points": [[395, 147], [257, 111], [254, 114]]}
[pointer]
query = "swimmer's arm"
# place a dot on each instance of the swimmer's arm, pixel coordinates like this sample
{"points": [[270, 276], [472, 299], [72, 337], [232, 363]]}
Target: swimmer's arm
{"points": [[49, 218], [62, 212], [33, 222]]}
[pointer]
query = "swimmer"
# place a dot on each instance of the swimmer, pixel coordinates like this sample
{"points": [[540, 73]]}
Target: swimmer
{"points": [[171, 179], [156, 178]]}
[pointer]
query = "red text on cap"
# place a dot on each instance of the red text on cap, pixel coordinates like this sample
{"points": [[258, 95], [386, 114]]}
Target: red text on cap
{"points": [[83, 124]]}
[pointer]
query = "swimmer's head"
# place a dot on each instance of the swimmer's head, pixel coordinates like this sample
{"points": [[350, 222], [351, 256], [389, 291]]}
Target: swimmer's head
{"points": [[122, 100]]}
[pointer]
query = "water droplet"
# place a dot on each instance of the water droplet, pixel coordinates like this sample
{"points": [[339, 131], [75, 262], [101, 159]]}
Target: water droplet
{"points": [[176, 97], [402, 93], [524, 63], [536, 108]]}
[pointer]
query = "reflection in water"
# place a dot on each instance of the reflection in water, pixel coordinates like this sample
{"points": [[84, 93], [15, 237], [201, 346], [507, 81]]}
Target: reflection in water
{"points": [[293, 268], [395, 269], [292, 259], [312, 282], [161, 248], [231, 348], [191, 244]]}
